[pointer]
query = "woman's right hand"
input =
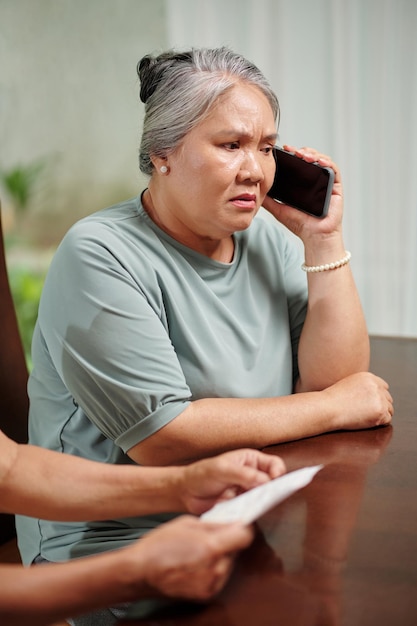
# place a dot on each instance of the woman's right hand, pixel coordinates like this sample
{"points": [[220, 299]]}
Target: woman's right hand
{"points": [[358, 401], [311, 230]]}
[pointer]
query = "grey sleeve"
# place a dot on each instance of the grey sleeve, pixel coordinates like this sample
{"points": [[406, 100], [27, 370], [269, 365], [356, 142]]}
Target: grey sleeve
{"points": [[108, 344]]}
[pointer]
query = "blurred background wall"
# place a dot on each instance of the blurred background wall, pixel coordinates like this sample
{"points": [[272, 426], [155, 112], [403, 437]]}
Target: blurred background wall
{"points": [[69, 97], [345, 74]]}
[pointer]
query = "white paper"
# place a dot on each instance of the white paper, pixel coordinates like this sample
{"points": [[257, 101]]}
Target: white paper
{"points": [[248, 506]]}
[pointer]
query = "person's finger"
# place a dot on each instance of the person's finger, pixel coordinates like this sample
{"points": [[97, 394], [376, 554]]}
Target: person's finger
{"points": [[312, 155], [256, 469], [250, 477], [221, 574], [272, 465], [229, 538]]}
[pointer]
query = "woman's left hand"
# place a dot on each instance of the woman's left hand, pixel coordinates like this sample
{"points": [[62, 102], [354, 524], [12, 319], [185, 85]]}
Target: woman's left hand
{"points": [[301, 224]]}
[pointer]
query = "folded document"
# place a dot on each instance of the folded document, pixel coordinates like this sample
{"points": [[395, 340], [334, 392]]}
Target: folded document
{"points": [[248, 506]]}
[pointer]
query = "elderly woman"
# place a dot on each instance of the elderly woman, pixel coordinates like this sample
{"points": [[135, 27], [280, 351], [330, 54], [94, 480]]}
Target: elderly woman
{"points": [[180, 324]]}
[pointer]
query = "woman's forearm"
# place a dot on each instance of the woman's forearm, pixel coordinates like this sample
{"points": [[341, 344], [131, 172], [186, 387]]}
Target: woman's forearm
{"points": [[334, 342], [214, 425]]}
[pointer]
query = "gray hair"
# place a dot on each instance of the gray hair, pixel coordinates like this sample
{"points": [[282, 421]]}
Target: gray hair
{"points": [[179, 90]]}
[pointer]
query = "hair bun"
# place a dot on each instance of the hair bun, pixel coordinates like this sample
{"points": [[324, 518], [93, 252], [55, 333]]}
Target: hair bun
{"points": [[144, 70], [151, 70]]}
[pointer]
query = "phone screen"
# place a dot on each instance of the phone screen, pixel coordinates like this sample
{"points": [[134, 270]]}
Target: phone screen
{"points": [[302, 185]]}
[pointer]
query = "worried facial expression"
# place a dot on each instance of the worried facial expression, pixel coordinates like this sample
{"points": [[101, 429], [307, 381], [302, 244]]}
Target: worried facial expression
{"points": [[221, 172]]}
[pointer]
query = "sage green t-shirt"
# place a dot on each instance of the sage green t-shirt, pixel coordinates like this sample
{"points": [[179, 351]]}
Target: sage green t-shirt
{"points": [[134, 326]]}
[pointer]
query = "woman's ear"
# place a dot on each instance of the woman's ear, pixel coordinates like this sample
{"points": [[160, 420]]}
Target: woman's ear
{"points": [[160, 164]]}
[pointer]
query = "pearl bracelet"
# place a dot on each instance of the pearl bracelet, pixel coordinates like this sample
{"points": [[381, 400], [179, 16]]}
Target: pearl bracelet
{"points": [[328, 266]]}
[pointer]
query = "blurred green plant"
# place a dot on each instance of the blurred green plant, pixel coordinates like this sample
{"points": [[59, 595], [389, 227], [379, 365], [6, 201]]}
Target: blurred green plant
{"points": [[26, 287], [20, 181]]}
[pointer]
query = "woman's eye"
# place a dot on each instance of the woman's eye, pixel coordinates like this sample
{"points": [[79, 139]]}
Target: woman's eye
{"points": [[232, 145], [267, 149]]}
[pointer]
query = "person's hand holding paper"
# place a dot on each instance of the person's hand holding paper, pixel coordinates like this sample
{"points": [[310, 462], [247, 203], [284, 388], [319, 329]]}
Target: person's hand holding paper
{"points": [[249, 506]]}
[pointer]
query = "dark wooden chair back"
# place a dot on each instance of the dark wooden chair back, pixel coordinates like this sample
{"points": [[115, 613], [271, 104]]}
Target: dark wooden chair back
{"points": [[14, 402]]}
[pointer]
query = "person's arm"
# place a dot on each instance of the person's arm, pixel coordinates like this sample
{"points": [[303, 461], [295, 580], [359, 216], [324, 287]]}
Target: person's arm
{"points": [[213, 425], [334, 342], [32, 479], [184, 558]]}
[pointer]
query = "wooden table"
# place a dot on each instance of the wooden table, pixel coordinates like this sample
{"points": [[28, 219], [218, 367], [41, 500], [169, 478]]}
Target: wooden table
{"points": [[342, 551]]}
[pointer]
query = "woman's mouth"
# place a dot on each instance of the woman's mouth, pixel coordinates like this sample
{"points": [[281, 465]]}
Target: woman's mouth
{"points": [[245, 201]]}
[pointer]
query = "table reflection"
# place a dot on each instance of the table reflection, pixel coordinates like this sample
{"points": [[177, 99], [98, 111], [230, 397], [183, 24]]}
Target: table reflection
{"points": [[292, 573], [320, 520]]}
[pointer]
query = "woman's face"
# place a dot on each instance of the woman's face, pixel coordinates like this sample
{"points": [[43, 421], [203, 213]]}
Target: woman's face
{"points": [[219, 175]]}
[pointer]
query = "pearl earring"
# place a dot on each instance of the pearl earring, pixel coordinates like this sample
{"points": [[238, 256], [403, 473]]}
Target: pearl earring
{"points": [[163, 169]]}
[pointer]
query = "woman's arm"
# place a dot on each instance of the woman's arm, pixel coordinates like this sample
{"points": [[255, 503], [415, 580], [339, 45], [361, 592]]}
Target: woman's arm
{"points": [[210, 426], [184, 558], [334, 342], [32, 479]]}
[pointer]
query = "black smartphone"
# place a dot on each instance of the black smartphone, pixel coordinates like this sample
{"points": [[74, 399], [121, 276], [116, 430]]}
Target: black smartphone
{"points": [[302, 185]]}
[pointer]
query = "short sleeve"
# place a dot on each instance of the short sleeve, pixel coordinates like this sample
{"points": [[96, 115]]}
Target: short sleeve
{"points": [[108, 338]]}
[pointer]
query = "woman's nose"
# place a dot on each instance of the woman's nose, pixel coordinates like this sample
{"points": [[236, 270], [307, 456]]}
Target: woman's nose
{"points": [[251, 169]]}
